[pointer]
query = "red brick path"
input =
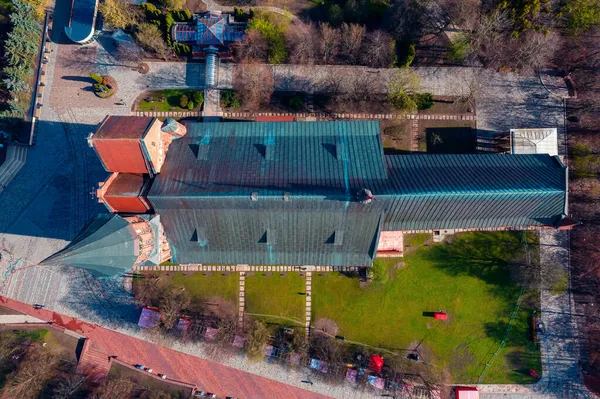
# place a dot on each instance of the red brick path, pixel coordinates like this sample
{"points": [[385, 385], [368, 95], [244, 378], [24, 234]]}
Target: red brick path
{"points": [[207, 375]]}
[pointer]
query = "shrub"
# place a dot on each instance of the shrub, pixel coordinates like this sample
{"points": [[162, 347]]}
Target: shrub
{"points": [[296, 103], [172, 4], [198, 97], [182, 49], [184, 15], [335, 15], [423, 100], [458, 49], [242, 16], [168, 23], [406, 53], [150, 10], [191, 105], [97, 78], [402, 101], [583, 15], [183, 101], [230, 99], [275, 36]]}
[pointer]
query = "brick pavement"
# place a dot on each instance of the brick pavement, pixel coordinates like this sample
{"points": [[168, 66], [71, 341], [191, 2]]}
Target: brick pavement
{"points": [[207, 375]]}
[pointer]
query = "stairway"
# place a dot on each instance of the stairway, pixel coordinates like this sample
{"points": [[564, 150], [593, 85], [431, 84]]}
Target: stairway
{"points": [[93, 363], [15, 159]]}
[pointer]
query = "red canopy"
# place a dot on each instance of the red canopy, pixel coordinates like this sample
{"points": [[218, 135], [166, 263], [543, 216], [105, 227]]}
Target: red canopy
{"points": [[376, 363]]}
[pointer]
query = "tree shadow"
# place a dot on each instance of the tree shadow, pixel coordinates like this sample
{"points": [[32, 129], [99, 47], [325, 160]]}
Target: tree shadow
{"points": [[85, 79]]}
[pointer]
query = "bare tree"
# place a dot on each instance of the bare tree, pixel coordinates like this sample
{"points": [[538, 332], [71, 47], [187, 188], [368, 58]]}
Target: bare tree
{"points": [[31, 375], [378, 50], [352, 39], [535, 49], [114, 388], [254, 47], [173, 302], [258, 334], [254, 83], [69, 385], [330, 44], [150, 38], [148, 290], [301, 42]]}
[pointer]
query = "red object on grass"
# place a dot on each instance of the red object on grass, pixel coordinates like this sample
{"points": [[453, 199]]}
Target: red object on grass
{"points": [[533, 373], [376, 363], [440, 316], [466, 393]]}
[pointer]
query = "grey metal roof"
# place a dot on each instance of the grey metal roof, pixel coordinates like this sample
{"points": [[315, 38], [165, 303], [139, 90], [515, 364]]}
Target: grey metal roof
{"points": [[304, 158], [277, 193], [107, 246]]}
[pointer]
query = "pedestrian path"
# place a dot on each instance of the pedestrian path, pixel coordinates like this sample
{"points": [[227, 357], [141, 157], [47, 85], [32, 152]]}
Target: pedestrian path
{"points": [[244, 268], [94, 363], [242, 299], [308, 301]]}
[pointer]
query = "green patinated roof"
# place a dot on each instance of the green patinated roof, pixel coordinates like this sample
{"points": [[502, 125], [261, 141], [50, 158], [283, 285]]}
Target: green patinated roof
{"points": [[225, 185], [107, 246]]}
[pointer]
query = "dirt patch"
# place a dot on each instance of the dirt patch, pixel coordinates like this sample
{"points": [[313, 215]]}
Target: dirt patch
{"points": [[395, 136], [327, 326], [220, 307], [425, 353]]}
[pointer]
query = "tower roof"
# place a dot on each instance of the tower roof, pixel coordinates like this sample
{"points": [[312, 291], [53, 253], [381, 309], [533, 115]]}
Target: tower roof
{"points": [[107, 246]]}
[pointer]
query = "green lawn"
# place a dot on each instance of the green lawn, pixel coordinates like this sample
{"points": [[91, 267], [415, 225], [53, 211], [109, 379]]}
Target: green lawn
{"points": [[416, 240], [171, 101], [203, 287], [277, 296], [468, 279]]}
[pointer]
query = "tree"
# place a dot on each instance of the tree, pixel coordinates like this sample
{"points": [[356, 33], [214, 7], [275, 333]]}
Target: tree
{"points": [[301, 42], [352, 39], [69, 385], [379, 50], [404, 83], [257, 337], [31, 375], [254, 83], [150, 38], [119, 13], [172, 303], [330, 44], [583, 15], [114, 388], [172, 4], [274, 35], [253, 48], [148, 290]]}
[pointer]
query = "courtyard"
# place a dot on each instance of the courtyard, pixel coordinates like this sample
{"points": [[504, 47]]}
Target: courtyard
{"points": [[466, 276]]}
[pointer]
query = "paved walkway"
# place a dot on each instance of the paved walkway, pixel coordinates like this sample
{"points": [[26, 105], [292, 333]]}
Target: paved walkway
{"points": [[561, 376], [206, 374], [246, 268], [308, 309]]}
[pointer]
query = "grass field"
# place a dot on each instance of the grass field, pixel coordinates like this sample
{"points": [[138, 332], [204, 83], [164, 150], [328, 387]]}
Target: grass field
{"points": [[204, 288], [276, 296], [468, 279]]}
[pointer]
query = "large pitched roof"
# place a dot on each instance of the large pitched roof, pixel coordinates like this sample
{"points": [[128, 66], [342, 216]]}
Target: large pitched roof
{"points": [[276, 193], [107, 246], [304, 158]]}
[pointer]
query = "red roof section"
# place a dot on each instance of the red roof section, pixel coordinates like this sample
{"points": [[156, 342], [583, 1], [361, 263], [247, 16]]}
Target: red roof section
{"points": [[207, 375], [123, 127], [123, 156], [265, 118]]}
